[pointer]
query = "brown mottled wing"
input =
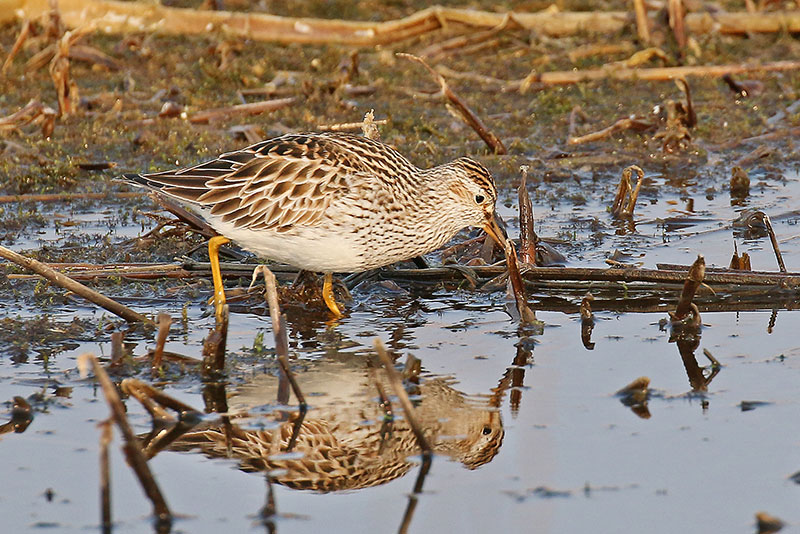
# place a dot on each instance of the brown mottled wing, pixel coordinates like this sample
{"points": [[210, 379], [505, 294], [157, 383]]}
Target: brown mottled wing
{"points": [[274, 184]]}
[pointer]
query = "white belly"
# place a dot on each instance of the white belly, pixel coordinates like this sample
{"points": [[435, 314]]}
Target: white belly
{"points": [[309, 249]]}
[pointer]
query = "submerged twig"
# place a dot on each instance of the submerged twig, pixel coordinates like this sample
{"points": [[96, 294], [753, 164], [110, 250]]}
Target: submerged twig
{"points": [[133, 451], [464, 111], [76, 287]]}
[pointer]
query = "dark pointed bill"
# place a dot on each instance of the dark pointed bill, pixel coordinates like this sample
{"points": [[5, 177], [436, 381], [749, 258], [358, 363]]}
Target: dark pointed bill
{"points": [[495, 232]]}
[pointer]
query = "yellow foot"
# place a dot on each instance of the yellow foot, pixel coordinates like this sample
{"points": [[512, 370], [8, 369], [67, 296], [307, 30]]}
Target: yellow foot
{"points": [[219, 291], [327, 295]]}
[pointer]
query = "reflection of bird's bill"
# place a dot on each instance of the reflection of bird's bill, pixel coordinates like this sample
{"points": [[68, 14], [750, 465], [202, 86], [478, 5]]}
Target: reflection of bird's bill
{"points": [[493, 229]]}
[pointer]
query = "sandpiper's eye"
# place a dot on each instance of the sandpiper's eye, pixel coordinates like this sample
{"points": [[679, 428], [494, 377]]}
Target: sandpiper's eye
{"points": [[479, 199], [487, 430]]}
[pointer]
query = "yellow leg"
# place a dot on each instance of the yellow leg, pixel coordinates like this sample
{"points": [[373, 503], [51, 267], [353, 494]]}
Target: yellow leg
{"points": [[213, 255], [327, 295]]}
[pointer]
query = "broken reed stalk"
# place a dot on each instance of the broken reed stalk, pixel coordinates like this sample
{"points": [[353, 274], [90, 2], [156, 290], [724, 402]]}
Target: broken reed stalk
{"points": [[587, 321], [252, 108], [527, 236], [131, 447], [408, 408], [624, 73], [460, 42], [350, 126], [279, 332], [154, 400], [676, 14], [627, 123], [694, 277], [467, 115], [164, 322], [136, 17], [620, 208], [773, 238], [76, 287], [642, 22], [214, 345], [105, 477], [526, 316], [21, 38]]}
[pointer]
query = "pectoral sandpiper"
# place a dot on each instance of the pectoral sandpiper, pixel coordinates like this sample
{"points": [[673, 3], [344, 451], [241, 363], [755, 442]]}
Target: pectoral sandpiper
{"points": [[330, 202]]}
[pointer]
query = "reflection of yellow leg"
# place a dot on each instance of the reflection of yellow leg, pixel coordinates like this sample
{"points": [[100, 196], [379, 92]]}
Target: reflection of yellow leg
{"points": [[213, 255], [327, 295]]}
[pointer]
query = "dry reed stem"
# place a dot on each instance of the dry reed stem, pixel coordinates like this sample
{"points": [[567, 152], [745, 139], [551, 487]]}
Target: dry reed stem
{"points": [[164, 322], [526, 316], [349, 126], [131, 447], [527, 235], [642, 22], [214, 345], [252, 108], [694, 277], [774, 240], [105, 476], [677, 14], [627, 123], [626, 192], [464, 111], [69, 284], [21, 38], [279, 332], [127, 17], [34, 112]]}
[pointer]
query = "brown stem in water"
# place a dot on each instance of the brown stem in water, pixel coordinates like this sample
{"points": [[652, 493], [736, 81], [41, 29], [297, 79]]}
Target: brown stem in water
{"points": [[528, 240], [694, 277], [76, 287], [774, 240], [526, 316], [214, 345], [132, 449], [164, 322], [405, 402], [105, 477]]}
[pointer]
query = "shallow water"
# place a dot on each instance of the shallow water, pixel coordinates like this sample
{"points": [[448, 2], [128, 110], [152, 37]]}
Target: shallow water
{"points": [[697, 460]]}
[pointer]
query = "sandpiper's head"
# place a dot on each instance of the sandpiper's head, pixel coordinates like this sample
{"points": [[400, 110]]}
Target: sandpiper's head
{"points": [[472, 186]]}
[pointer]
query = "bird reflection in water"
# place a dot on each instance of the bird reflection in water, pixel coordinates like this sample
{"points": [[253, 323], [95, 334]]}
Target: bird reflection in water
{"points": [[347, 440]]}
